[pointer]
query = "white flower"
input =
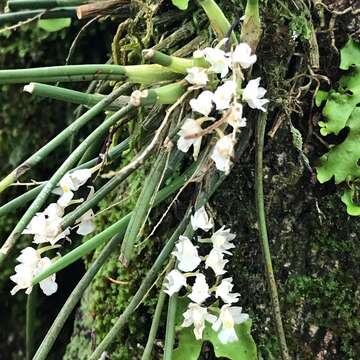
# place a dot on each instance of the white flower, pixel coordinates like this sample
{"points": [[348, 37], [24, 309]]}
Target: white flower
{"points": [[221, 240], [229, 316], [195, 314], [224, 94], [216, 261], [224, 291], [201, 220], [86, 221], [242, 55], [187, 254], [197, 76], [54, 210], [203, 104], [253, 94], [48, 285], [200, 290], [218, 60], [86, 224], [31, 264], [191, 128], [71, 182], [223, 152], [23, 278], [235, 118], [29, 257], [46, 225], [175, 280], [24, 272]]}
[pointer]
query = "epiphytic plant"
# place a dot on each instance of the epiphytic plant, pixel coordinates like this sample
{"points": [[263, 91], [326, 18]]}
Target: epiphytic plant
{"points": [[203, 97]]}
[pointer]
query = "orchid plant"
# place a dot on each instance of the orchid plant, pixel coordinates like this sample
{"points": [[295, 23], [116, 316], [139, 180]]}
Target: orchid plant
{"points": [[211, 123], [222, 96], [200, 293]]}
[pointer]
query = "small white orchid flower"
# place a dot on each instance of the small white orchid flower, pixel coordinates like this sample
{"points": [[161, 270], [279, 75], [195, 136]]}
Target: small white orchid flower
{"points": [[22, 278], [203, 103], [223, 153], [242, 55], [24, 272], [86, 221], [200, 290], [216, 261], [69, 183], [195, 314], [175, 280], [224, 94], [253, 95], [224, 291], [31, 264], [221, 240], [229, 316], [187, 254], [218, 60], [48, 285], [235, 118], [29, 257], [190, 128], [197, 76], [46, 226], [201, 220], [54, 210], [37, 225]]}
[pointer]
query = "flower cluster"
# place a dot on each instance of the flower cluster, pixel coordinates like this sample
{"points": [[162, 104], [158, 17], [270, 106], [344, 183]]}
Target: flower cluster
{"points": [[188, 260], [224, 101], [46, 228]]}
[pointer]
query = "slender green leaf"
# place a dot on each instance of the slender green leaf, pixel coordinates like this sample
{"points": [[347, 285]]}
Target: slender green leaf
{"points": [[142, 208]]}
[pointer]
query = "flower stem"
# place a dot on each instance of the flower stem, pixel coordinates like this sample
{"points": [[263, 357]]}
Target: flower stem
{"points": [[30, 322], [75, 296], [40, 154], [51, 184], [154, 326], [143, 74], [259, 198], [72, 96]]}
